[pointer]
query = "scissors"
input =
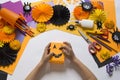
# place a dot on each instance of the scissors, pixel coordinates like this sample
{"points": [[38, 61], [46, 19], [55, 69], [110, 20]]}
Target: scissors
{"points": [[93, 46]]}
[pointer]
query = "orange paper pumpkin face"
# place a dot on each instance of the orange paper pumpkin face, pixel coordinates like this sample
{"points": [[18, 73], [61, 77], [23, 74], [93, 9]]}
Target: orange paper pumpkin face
{"points": [[58, 56]]}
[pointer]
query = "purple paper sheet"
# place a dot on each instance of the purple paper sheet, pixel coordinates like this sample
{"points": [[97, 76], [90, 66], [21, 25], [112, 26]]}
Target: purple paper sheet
{"points": [[16, 7]]}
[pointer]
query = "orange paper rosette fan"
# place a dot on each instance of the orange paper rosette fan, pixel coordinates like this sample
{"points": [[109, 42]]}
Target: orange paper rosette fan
{"points": [[80, 14], [42, 12]]}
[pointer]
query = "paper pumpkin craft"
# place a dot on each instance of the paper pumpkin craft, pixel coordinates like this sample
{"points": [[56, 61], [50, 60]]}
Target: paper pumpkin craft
{"points": [[61, 15], [58, 56], [42, 12]]}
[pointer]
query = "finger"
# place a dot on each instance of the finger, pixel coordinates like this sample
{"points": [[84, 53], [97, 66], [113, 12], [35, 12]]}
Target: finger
{"points": [[65, 47], [50, 55], [64, 51], [47, 49], [48, 45], [68, 44]]}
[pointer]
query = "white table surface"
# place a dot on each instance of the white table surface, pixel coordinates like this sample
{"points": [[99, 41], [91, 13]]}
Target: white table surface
{"points": [[34, 49]]}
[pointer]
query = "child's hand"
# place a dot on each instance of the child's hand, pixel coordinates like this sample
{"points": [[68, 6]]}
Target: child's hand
{"points": [[67, 50], [46, 55]]}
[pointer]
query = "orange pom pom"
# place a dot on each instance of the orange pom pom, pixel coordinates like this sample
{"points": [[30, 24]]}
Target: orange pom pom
{"points": [[15, 45], [109, 24]]}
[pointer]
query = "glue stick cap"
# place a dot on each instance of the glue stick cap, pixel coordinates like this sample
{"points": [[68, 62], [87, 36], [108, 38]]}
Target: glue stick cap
{"points": [[85, 23]]}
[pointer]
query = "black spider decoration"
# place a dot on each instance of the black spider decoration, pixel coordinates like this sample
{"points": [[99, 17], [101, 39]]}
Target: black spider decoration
{"points": [[27, 9], [70, 27], [116, 36], [99, 24], [87, 6]]}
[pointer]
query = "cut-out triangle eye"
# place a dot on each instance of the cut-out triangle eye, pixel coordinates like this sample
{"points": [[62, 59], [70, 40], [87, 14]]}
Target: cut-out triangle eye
{"points": [[54, 46]]}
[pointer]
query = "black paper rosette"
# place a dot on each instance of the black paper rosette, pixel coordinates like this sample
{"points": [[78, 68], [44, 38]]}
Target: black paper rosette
{"points": [[61, 15], [7, 56]]}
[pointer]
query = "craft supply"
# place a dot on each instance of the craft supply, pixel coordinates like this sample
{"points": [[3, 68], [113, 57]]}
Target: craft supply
{"points": [[99, 16], [105, 55], [86, 23], [42, 12], [109, 24], [58, 56], [1, 44], [27, 9], [102, 38], [2, 23], [93, 46], [61, 15], [105, 33], [24, 28], [7, 55], [80, 14], [15, 45], [116, 36], [41, 27], [8, 29], [87, 6], [3, 75], [102, 43], [15, 20], [97, 5], [71, 27], [6, 38], [94, 33], [99, 24], [109, 69], [113, 66]]}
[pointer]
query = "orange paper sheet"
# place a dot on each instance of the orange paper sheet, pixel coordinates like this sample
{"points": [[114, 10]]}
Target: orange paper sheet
{"points": [[109, 7]]}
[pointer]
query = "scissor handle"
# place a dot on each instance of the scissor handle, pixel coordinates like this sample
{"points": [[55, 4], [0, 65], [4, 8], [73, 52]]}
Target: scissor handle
{"points": [[92, 49], [97, 46]]}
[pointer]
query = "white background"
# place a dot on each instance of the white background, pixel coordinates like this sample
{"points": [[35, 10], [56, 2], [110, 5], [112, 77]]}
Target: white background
{"points": [[35, 48]]}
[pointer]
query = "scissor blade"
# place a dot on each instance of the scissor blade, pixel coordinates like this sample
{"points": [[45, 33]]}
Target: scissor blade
{"points": [[84, 36]]}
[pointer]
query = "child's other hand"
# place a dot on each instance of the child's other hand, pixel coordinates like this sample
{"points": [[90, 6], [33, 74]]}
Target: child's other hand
{"points": [[68, 51]]}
